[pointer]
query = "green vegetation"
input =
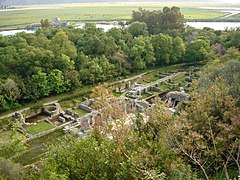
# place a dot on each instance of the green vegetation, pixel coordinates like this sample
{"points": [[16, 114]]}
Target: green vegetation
{"points": [[152, 149], [164, 87], [199, 141], [67, 104], [6, 136], [117, 94], [67, 59], [37, 148], [95, 12], [5, 122], [39, 127], [144, 96], [153, 79], [180, 79], [81, 112]]}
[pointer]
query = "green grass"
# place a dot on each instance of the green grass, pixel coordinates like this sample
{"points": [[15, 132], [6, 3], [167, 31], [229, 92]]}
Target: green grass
{"points": [[39, 127], [180, 79], [5, 136], [153, 78], [164, 87], [67, 104], [5, 122], [144, 96], [117, 94], [38, 147], [96, 12], [81, 112]]}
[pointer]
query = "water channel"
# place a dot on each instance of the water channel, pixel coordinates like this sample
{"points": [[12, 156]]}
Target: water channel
{"points": [[106, 27]]}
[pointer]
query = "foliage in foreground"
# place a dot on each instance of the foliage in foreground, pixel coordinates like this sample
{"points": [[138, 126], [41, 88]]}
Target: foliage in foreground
{"points": [[135, 150], [199, 142], [209, 132]]}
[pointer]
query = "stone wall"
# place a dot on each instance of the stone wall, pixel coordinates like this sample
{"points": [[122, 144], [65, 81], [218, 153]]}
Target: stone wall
{"points": [[85, 108], [46, 132], [39, 111]]}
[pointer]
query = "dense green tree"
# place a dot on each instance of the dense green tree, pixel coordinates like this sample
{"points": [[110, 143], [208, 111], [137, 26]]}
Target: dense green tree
{"points": [[197, 50], [178, 50], [228, 71], [10, 91], [172, 18], [142, 53], [40, 41], [96, 45], [63, 63], [160, 21], [120, 60], [138, 29], [60, 44], [74, 79], [91, 72], [162, 45], [8, 59], [56, 82], [232, 39], [115, 33], [45, 23], [107, 68], [41, 83]]}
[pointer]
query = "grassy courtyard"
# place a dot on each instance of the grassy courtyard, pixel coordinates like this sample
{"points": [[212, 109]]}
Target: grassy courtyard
{"points": [[81, 112], [39, 127], [37, 148]]}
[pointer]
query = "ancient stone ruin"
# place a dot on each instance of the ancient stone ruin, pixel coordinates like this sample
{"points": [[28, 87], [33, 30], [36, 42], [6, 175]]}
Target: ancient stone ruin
{"points": [[176, 97]]}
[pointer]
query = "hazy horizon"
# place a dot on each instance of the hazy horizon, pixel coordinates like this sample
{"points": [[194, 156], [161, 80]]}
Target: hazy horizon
{"points": [[35, 2]]}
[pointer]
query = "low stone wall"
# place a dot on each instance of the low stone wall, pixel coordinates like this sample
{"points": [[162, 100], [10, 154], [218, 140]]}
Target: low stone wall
{"points": [[39, 111], [85, 108], [156, 89], [46, 132]]}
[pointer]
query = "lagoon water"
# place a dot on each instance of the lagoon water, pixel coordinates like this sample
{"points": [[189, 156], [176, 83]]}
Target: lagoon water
{"points": [[106, 27], [214, 25], [13, 32]]}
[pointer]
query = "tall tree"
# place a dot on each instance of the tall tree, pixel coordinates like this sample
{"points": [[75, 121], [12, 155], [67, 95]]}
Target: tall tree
{"points": [[56, 82], [10, 91], [210, 133], [41, 83], [162, 45], [60, 44], [138, 29], [141, 53], [45, 23], [178, 50], [197, 50]]}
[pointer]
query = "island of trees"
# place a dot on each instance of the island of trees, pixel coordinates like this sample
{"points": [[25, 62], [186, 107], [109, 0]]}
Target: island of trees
{"points": [[200, 141]]}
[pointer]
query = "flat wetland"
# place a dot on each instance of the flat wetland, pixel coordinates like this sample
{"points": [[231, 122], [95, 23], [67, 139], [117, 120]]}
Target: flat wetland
{"points": [[98, 12]]}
